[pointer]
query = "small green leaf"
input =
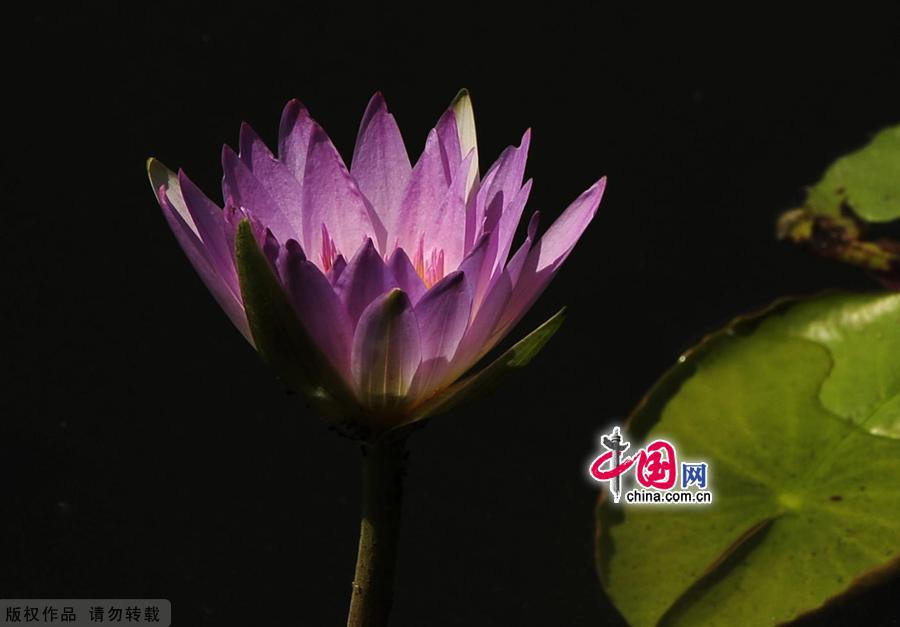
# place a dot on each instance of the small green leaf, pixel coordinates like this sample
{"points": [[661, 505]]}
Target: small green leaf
{"points": [[868, 181], [281, 339], [804, 498], [858, 189], [488, 379]]}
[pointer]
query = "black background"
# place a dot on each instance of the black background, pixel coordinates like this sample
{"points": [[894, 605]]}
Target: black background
{"points": [[144, 449]]}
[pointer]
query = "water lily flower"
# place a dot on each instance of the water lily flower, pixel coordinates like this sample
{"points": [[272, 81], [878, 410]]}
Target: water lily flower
{"points": [[400, 276], [375, 289]]}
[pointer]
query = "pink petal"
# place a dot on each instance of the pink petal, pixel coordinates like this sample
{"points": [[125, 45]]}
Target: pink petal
{"points": [[277, 180], [456, 133], [475, 211], [380, 164], [509, 222], [479, 339], [564, 233], [339, 265], [546, 257], [199, 257], [365, 278], [448, 230], [478, 265], [386, 350], [294, 135], [443, 316], [263, 235], [501, 185], [241, 186], [317, 305], [331, 197], [210, 223], [448, 137], [422, 198], [517, 262], [486, 312]]}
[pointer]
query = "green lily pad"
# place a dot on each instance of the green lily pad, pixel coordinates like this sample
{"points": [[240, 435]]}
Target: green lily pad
{"points": [[805, 502], [868, 181], [862, 332]]}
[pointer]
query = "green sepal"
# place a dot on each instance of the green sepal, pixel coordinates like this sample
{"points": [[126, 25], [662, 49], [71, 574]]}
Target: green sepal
{"points": [[866, 181], [283, 342]]}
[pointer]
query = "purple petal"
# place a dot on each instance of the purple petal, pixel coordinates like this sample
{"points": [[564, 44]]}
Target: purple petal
{"points": [[317, 305], [365, 278], [443, 316], [456, 132], [339, 265], [475, 211], [447, 233], [294, 135], [448, 137], [509, 222], [179, 220], [263, 235], [477, 266], [549, 253], [564, 233], [515, 265], [330, 197], [422, 198], [210, 223], [479, 337], [240, 185], [474, 261], [405, 275], [380, 164], [277, 180], [386, 350], [501, 185], [488, 308]]}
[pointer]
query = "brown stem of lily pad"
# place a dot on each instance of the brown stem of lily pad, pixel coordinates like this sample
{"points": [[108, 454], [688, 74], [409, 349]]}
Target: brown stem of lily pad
{"points": [[384, 466]]}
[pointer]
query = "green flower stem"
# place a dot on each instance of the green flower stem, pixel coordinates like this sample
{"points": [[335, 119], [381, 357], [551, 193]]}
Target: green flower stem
{"points": [[384, 465]]}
